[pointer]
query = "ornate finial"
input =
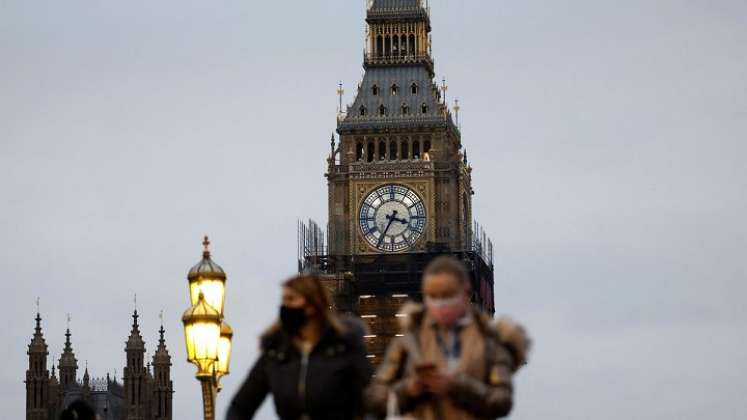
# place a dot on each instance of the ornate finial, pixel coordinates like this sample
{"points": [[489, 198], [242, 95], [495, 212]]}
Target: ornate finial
{"points": [[444, 88], [68, 345], [340, 92], [37, 305], [135, 316], [456, 110], [160, 316], [206, 247]]}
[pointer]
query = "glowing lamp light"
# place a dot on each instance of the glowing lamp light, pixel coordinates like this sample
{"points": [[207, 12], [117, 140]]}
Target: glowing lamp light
{"points": [[208, 278], [224, 349], [202, 334], [214, 291]]}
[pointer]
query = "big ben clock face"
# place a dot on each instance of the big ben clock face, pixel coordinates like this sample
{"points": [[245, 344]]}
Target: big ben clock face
{"points": [[392, 218]]}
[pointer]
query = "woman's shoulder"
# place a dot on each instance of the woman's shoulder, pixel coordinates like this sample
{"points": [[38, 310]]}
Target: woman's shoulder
{"points": [[272, 338], [351, 329]]}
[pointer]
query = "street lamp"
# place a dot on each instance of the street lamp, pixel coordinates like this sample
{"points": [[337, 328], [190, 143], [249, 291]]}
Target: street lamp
{"points": [[207, 336], [208, 278]]}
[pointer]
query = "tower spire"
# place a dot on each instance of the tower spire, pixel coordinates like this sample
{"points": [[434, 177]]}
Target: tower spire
{"points": [[340, 92], [37, 376], [135, 373], [163, 386], [68, 364]]}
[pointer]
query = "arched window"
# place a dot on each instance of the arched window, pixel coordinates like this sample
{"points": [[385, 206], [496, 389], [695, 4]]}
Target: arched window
{"points": [[371, 152], [388, 47], [395, 46], [411, 47], [416, 150], [414, 89], [403, 46], [362, 110], [424, 109], [405, 109], [382, 150], [392, 150], [359, 152], [395, 89], [426, 146], [405, 147], [375, 90], [379, 46], [382, 110]]}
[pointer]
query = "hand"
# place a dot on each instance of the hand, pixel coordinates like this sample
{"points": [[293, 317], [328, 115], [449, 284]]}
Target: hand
{"points": [[436, 382], [414, 387]]}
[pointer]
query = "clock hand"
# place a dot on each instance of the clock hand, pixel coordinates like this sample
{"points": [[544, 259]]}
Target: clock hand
{"points": [[383, 234], [394, 217]]}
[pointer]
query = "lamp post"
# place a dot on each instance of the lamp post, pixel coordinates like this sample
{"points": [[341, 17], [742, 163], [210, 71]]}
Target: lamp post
{"points": [[207, 336]]}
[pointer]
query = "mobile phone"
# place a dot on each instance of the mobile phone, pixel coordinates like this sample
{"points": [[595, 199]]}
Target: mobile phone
{"points": [[425, 368]]}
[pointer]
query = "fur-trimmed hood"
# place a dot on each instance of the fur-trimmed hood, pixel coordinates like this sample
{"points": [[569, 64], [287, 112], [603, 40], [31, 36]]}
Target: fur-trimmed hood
{"points": [[508, 332]]}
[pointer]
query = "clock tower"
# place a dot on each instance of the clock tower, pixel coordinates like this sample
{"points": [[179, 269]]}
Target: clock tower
{"points": [[399, 183]]}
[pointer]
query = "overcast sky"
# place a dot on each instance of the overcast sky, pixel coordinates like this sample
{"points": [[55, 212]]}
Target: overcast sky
{"points": [[608, 140]]}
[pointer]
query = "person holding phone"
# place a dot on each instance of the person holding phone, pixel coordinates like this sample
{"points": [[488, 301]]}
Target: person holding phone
{"points": [[452, 361]]}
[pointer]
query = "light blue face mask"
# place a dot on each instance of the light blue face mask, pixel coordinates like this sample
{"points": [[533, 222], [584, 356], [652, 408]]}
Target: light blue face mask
{"points": [[442, 302]]}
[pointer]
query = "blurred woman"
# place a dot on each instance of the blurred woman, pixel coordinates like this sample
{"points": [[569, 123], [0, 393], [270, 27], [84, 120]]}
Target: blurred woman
{"points": [[312, 362], [78, 410]]}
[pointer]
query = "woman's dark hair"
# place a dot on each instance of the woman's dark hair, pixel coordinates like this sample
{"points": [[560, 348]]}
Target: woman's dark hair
{"points": [[78, 410], [311, 288]]}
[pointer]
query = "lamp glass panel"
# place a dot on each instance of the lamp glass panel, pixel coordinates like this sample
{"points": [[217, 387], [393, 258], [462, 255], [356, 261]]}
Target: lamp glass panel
{"points": [[224, 355], [213, 290], [202, 342]]}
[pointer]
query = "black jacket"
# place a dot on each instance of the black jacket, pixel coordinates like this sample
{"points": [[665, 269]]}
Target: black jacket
{"points": [[331, 388]]}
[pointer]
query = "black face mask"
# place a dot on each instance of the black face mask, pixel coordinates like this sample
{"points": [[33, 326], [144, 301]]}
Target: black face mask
{"points": [[292, 319]]}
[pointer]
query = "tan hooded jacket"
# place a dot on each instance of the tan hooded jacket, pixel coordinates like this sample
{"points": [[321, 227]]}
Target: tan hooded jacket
{"points": [[491, 353]]}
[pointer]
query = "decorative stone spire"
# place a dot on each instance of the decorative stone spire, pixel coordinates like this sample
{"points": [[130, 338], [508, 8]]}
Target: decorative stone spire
{"points": [[163, 386], [38, 344], [86, 385], [398, 88], [55, 394], [161, 356], [68, 364], [135, 341], [135, 374], [37, 376]]}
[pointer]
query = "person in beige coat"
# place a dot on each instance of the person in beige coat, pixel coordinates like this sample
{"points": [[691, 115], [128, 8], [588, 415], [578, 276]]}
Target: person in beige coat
{"points": [[452, 361]]}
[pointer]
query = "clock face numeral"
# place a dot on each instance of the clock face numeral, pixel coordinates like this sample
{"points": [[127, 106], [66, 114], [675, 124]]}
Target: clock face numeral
{"points": [[392, 218]]}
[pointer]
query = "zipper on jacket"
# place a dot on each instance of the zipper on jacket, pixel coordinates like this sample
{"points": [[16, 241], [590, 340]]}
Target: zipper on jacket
{"points": [[302, 376]]}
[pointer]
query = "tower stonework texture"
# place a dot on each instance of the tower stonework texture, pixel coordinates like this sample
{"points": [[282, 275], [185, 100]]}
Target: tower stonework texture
{"points": [[143, 396], [399, 183], [135, 374], [37, 377], [163, 386]]}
